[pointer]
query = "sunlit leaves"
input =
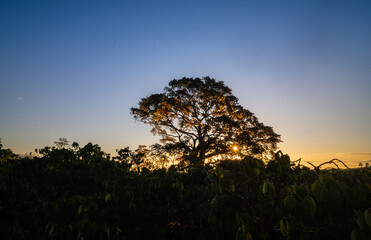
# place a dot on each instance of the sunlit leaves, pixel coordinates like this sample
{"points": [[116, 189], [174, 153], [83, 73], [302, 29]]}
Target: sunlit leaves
{"points": [[202, 119], [108, 197]]}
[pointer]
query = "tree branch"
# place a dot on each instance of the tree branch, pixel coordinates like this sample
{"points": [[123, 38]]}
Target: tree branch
{"points": [[179, 130], [332, 161]]}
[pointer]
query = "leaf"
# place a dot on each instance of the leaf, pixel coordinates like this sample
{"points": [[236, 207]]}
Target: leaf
{"points": [[309, 206], [290, 203], [56, 208], [321, 179], [295, 189], [105, 184], [233, 187], [51, 230], [360, 220], [212, 202], [277, 155], [355, 235], [319, 191], [367, 215], [313, 205], [256, 172], [284, 162], [243, 228], [368, 186], [215, 187], [79, 209], [265, 187], [248, 236], [108, 197], [219, 172], [284, 226]]}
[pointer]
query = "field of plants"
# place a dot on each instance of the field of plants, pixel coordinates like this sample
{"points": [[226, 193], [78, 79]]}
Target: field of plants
{"points": [[67, 194]]}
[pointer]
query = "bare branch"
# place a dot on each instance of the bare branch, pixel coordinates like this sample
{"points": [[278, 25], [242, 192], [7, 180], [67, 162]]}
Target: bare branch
{"points": [[332, 161]]}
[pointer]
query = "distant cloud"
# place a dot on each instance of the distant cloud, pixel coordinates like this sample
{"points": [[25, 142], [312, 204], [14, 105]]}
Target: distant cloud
{"points": [[20, 98]]}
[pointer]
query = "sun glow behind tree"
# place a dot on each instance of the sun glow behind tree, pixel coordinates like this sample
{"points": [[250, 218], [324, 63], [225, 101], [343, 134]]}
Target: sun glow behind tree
{"points": [[200, 119]]}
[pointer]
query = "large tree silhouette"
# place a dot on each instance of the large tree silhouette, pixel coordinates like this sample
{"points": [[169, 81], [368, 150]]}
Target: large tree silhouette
{"points": [[200, 118]]}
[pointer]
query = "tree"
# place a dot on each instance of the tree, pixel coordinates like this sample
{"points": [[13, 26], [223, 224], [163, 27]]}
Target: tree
{"points": [[200, 118], [63, 150], [92, 152], [128, 157], [6, 154]]}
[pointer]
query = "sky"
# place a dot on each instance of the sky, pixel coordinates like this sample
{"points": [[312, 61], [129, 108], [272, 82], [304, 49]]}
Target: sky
{"points": [[73, 69]]}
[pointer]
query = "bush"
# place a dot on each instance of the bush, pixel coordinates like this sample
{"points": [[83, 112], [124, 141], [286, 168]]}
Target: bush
{"points": [[62, 195]]}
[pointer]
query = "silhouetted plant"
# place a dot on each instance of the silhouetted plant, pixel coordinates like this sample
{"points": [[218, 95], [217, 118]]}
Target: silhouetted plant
{"points": [[6, 154], [89, 196]]}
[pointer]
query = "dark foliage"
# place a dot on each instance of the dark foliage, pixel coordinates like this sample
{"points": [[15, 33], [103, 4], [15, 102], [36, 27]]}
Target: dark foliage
{"points": [[79, 193]]}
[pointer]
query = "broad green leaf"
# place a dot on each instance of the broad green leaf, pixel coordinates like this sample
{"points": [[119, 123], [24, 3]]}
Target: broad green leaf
{"points": [[243, 228], [79, 210], [284, 162], [367, 215], [108, 197], [319, 191], [248, 236], [360, 221], [265, 187], [355, 235], [313, 205], [212, 202], [284, 226], [308, 206], [290, 202], [51, 230]]}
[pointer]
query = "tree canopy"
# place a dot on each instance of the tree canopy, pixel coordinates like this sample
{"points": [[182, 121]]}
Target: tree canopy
{"points": [[200, 118]]}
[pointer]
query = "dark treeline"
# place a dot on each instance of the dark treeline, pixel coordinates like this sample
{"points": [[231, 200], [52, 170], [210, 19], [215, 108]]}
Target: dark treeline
{"points": [[68, 192]]}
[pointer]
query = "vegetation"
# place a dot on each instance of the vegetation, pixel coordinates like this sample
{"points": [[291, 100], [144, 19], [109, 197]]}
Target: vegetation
{"points": [[200, 119], [72, 192], [68, 192]]}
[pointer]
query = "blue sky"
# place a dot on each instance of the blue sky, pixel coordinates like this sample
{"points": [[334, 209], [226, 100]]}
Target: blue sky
{"points": [[74, 68]]}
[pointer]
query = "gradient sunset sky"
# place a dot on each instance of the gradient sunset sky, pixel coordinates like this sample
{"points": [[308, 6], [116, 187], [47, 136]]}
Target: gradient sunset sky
{"points": [[73, 69]]}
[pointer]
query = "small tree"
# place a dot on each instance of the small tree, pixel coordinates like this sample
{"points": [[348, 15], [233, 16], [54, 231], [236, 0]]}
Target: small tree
{"points": [[6, 154], [201, 118], [128, 157]]}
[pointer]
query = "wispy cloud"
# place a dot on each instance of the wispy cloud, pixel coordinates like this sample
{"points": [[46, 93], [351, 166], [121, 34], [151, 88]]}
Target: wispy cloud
{"points": [[20, 98]]}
